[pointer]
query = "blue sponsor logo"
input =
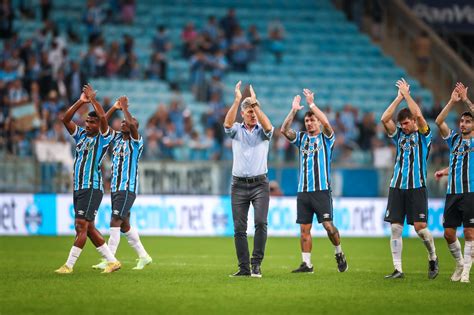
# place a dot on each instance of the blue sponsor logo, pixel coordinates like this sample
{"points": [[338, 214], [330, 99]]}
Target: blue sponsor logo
{"points": [[40, 215], [33, 218]]}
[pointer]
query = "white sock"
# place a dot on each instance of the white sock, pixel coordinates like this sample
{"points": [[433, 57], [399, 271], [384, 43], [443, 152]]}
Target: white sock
{"points": [[396, 244], [74, 254], [307, 259], [105, 252], [338, 249], [455, 249], [427, 238], [134, 241], [468, 251], [114, 239]]}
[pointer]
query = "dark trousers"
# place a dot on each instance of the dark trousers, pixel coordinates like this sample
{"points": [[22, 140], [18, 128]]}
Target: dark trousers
{"points": [[242, 193]]}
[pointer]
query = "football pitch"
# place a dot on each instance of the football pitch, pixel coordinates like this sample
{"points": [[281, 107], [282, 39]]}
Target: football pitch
{"points": [[190, 276]]}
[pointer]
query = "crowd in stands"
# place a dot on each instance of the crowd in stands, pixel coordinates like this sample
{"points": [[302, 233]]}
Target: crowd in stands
{"points": [[38, 80]]}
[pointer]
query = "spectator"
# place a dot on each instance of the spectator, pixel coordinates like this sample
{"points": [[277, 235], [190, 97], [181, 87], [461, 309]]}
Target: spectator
{"points": [[93, 18], [114, 60], [128, 11], [240, 47], [367, 131], [45, 9], [254, 39], [276, 35], [197, 150], [16, 94], [188, 38], [170, 141], [211, 29], [422, 52], [75, 80], [211, 146], [275, 189], [100, 57], [161, 45], [199, 64], [219, 64], [229, 24]]}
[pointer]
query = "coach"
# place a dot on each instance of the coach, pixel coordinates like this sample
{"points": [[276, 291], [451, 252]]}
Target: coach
{"points": [[250, 142]]}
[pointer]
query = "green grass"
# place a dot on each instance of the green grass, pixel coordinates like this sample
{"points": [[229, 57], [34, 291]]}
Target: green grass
{"points": [[190, 276]]}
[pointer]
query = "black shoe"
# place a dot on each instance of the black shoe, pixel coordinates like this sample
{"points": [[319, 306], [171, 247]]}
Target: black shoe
{"points": [[433, 269], [303, 268], [256, 271], [241, 273], [396, 275], [341, 262]]}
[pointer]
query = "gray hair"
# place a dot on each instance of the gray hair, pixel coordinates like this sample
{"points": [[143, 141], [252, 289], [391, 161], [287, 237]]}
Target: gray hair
{"points": [[247, 103]]}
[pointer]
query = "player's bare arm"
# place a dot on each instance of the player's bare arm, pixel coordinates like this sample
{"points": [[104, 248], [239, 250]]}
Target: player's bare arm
{"points": [[441, 173], [262, 118], [404, 89], [441, 119], [387, 116], [462, 91], [67, 119], [327, 128], [123, 100], [91, 94], [232, 113], [286, 130], [112, 110]]}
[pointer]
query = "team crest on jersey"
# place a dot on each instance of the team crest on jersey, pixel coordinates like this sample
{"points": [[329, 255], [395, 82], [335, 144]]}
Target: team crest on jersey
{"points": [[407, 143]]}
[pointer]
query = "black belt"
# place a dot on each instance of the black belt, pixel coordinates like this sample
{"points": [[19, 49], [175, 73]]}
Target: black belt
{"points": [[250, 180]]}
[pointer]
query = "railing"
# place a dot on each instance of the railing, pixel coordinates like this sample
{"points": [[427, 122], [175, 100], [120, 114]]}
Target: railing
{"points": [[446, 68], [20, 175]]}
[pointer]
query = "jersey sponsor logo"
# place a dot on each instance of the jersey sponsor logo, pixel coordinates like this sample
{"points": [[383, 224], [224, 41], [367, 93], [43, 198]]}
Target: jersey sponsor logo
{"points": [[80, 212], [85, 145], [121, 150], [115, 212], [462, 150], [422, 216], [408, 143], [326, 216], [309, 148]]}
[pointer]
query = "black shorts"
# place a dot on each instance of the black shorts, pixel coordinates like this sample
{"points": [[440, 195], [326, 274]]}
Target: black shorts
{"points": [[86, 203], [122, 202], [309, 203], [459, 208], [412, 203]]}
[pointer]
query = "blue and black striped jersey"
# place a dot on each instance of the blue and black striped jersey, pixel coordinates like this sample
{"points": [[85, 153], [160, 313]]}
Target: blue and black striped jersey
{"points": [[125, 156], [90, 152], [461, 168], [315, 161], [411, 160]]}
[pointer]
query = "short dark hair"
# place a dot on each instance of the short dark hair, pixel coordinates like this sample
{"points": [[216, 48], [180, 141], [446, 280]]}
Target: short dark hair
{"points": [[467, 114], [308, 114], [93, 114], [404, 114]]}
